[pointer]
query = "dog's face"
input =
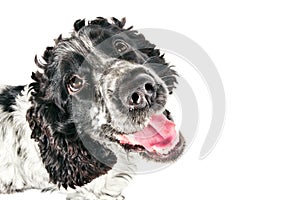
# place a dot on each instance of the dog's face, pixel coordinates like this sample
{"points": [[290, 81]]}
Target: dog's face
{"points": [[109, 84]]}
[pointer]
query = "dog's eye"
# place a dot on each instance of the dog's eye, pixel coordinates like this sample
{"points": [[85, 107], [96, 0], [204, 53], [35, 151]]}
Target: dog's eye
{"points": [[121, 46], [75, 84]]}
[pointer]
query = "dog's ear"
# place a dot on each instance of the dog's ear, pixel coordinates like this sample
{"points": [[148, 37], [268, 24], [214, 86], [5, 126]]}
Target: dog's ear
{"points": [[65, 157]]}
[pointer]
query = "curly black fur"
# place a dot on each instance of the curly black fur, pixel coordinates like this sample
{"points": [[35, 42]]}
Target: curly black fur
{"points": [[66, 159]]}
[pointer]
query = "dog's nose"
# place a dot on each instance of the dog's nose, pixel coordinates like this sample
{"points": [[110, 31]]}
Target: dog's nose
{"points": [[144, 92], [141, 91]]}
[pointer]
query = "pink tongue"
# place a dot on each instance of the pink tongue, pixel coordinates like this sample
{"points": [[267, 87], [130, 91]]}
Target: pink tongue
{"points": [[160, 133]]}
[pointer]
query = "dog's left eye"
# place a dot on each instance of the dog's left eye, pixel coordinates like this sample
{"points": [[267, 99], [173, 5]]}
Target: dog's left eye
{"points": [[121, 46], [75, 84]]}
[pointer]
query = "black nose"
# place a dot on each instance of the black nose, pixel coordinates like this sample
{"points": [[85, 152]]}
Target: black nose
{"points": [[140, 91]]}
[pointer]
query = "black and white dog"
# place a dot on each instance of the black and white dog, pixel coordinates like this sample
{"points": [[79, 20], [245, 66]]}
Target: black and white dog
{"points": [[95, 105]]}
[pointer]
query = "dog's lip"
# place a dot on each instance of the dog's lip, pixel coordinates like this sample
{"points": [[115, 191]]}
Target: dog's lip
{"points": [[159, 136]]}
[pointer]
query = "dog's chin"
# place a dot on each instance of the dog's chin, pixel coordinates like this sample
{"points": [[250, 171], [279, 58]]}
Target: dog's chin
{"points": [[158, 140]]}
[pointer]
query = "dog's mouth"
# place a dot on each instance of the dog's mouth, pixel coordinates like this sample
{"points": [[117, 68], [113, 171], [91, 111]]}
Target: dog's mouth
{"points": [[159, 140], [158, 136]]}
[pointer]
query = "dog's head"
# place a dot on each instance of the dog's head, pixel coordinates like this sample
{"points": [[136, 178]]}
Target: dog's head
{"points": [[104, 84]]}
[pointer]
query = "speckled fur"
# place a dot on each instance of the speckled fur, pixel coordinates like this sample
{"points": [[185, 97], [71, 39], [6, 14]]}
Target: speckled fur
{"points": [[54, 140]]}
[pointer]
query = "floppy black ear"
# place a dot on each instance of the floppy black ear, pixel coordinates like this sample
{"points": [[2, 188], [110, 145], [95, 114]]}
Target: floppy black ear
{"points": [[66, 159]]}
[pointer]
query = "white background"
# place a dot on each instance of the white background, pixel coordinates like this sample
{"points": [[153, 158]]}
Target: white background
{"points": [[255, 46]]}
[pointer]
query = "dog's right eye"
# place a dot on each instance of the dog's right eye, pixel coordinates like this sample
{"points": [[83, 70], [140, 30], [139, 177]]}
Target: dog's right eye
{"points": [[75, 83]]}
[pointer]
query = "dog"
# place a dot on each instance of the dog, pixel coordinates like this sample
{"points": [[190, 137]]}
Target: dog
{"points": [[94, 106]]}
